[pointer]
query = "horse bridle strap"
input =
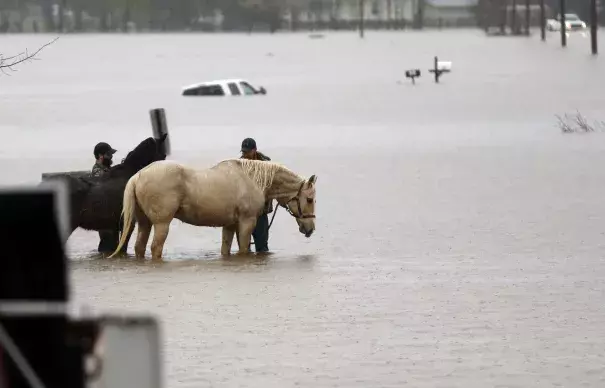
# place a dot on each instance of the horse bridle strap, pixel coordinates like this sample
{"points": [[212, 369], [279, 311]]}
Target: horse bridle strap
{"points": [[297, 198]]}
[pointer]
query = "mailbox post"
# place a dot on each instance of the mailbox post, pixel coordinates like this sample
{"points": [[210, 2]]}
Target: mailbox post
{"points": [[439, 68]]}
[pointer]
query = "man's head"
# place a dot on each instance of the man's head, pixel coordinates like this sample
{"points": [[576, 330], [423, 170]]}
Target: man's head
{"points": [[104, 153], [249, 148]]}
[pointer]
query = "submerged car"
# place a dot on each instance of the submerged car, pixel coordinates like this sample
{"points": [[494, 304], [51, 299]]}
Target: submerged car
{"points": [[572, 23], [225, 87]]}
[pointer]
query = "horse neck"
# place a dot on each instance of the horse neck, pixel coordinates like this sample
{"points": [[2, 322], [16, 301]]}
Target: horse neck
{"points": [[285, 185], [123, 170]]}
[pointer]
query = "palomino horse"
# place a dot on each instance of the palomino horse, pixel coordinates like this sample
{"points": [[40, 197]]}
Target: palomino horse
{"points": [[96, 203], [230, 195]]}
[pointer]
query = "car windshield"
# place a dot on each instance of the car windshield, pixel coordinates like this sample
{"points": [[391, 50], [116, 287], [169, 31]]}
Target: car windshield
{"points": [[247, 88], [571, 16]]}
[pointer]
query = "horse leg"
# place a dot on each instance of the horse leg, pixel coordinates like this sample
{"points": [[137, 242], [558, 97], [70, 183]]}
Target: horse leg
{"points": [[245, 228], [108, 240], [160, 233], [142, 236], [228, 232]]}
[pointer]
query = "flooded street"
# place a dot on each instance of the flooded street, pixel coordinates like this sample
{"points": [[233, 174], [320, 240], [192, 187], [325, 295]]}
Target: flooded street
{"points": [[460, 235]]}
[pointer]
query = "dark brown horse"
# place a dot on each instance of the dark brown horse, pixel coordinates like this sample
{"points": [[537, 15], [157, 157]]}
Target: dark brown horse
{"points": [[96, 203]]}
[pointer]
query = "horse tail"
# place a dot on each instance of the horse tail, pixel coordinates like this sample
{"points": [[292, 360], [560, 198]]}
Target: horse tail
{"points": [[128, 210]]}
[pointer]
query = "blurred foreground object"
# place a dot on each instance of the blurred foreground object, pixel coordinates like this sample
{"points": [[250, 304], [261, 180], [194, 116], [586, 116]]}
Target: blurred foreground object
{"points": [[40, 345]]}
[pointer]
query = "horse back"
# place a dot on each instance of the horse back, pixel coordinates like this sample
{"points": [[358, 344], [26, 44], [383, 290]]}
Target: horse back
{"points": [[102, 206], [202, 197]]}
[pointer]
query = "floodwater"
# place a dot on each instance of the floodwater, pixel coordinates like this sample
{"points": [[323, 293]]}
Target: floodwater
{"points": [[460, 235]]}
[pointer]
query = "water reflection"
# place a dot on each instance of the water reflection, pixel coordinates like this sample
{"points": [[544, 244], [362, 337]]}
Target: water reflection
{"points": [[251, 262]]}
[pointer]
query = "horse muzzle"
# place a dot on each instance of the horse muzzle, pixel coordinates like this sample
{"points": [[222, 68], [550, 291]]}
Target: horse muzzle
{"points": [[306, 232]]}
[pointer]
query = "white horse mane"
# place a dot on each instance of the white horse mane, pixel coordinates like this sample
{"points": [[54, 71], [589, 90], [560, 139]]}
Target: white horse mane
{"points": [[262, 173]]}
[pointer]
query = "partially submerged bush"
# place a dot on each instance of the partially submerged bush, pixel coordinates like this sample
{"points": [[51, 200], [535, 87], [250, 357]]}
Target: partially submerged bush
{"points": [[578, 123]]}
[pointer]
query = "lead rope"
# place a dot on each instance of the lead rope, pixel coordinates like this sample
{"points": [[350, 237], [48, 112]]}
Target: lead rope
{"points": [[272, 218]]}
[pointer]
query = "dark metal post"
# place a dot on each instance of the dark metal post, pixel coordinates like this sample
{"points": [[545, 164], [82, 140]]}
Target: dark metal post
{"points": [[527, 16], [62, 8], [593, 27], [542, 21], [361, 17], [159, 126], [419, 15], [513, 22], [562, 22], [503, 18], [126, 16], [389, 14]]}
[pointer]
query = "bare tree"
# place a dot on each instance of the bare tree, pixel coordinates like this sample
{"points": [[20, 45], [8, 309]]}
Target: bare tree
{"points": [[9, 63]]}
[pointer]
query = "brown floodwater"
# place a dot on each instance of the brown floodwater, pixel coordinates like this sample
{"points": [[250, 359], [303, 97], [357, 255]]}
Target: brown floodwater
{"points": [[460, 235]]}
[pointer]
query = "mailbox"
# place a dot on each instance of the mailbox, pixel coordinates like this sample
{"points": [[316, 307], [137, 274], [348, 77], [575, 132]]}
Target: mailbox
{"points": [[412, 73]]}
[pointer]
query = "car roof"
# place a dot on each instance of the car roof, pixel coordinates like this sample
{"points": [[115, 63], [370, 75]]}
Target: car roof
{"points": [[215, 82]]}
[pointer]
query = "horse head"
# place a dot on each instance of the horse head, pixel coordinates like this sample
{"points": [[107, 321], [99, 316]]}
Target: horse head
{"points": [[306, 207], [302, 206], [292, 192], [148, 151]]}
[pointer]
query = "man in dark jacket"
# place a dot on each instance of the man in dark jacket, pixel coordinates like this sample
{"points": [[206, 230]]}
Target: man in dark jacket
{"points": [[261, 231], [103, 160]]}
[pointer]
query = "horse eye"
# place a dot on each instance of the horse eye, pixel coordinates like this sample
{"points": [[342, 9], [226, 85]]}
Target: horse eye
{"points": [[309, 200]]}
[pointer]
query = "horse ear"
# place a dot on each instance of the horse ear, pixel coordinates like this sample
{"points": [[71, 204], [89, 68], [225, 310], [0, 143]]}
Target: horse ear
{"points": [[312, 180]]}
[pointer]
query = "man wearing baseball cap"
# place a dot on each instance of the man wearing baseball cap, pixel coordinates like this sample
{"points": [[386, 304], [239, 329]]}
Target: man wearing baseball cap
{"points": [[261, 231], [103, 159], [249, 150]]}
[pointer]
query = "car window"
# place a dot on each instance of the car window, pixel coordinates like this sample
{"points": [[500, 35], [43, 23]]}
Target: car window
{"points": [[234, 89], [211, 90], [247, 88]]}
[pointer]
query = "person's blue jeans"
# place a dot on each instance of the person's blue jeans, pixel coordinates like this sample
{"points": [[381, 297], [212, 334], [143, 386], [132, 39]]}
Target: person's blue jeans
{"points": [[261, 234]]}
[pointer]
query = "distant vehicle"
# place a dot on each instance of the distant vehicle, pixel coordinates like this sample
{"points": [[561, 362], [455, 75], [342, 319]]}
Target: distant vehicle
{"points": [[224, 87], [572, 23]]}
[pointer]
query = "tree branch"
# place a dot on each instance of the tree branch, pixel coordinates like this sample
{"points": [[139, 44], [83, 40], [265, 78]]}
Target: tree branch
{"points": [[8, 63]]}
